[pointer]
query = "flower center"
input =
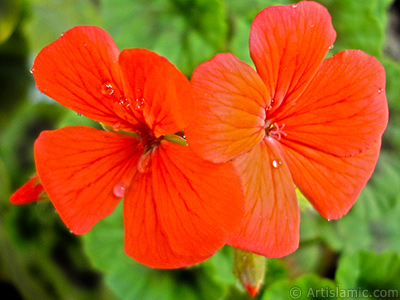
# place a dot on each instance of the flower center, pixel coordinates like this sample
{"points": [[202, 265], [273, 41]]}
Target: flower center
{"points": [[148, 142], [274, 130]]}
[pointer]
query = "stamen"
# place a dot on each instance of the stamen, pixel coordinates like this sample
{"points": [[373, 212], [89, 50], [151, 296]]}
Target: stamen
{"points": [[275, 131]]}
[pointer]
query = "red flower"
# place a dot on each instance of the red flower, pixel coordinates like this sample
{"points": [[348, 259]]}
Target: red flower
{"points": [[299, 120], [31, 191], [178, 208]]}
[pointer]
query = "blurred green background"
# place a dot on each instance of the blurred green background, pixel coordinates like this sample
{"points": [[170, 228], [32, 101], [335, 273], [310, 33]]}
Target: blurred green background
{"points": [[41, 259]]}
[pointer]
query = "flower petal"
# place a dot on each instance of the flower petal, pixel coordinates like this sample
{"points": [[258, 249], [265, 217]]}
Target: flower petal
{"points": [[332, 184], [79, 168], [287, 45], [160, 94], [188, 208], [344, 109], [30, 192], [80, 70], [145, 239], [270, 226], [230, 116]]}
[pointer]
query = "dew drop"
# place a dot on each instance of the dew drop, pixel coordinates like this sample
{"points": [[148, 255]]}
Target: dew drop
{"points": [[276, 163], [124, 101], [312, 25], [331, 47], [329, 220], [272, 101], [32, 70], [139, 104], [107, 89], [380, 90], [143, 164], [116, 126], [294, 5], [119, 189], [71, 231]]}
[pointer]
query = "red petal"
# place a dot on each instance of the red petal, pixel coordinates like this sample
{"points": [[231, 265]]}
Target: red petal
{"points": [[287, 45], [332, 184], [30, 192], [160, 94], [344, 109], [80, 70], [182, 210], [79, 168], [271, 223], [232, 100], [145, 239]]}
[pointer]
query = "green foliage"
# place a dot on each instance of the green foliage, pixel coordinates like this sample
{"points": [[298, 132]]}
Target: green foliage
{"points": [[131, 280], [307, 286], [371, 273], [187, 32], [49, 19], [10, 13], [359, 24]]}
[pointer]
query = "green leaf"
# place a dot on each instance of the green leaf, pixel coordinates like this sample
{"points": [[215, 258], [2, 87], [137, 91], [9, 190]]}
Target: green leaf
{"points": [[4, 184], [241, 14], [17, 139], [131, 280], [71, 118], [359, 24], [308, 286], [10, 12], [187, 32], [367, 272], [50, 18]]}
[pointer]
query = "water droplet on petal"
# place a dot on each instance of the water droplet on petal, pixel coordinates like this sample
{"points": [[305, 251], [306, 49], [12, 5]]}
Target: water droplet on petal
{"points": [[143, 164], [107, 89], [312, 25], [272, 101], [119, 189], [124, 101], [71, 231], [331, 47], [276, 163], [381, 90], [116, 126], [294, 5], [139, 104], [329, 220], [32, 70]]}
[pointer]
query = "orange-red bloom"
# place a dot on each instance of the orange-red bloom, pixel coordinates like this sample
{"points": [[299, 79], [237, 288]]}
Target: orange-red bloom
{"points": [[31, 191], [298, 120], [178, 208]]}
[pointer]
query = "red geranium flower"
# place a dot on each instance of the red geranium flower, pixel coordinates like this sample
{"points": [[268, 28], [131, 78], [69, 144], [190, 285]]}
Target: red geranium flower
{"points": [[31, 191], [298, 120], [178, 208]]}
